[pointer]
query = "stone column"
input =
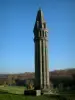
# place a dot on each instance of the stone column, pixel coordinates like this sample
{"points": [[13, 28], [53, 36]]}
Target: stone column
{"points": [[44, 64], [37, 70], [40, 53], [47, 67]]}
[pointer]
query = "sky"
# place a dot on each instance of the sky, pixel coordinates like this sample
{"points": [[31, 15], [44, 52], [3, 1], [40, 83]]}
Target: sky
{"points": [[17, 19]]}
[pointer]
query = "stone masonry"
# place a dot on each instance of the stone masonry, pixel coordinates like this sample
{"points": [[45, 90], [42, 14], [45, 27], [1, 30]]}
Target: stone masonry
{"points": [[41, 53]]}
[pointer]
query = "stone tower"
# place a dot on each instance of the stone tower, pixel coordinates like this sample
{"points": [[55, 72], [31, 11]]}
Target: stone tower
{"points": [[41, 53]]}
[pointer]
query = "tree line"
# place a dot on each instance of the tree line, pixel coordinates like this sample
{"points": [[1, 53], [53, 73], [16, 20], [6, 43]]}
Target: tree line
{"points": [[58, 79]]}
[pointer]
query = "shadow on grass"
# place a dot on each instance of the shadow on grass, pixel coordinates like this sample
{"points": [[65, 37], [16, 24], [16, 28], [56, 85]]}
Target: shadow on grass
{"points": [[3, 92], [57, 97]]}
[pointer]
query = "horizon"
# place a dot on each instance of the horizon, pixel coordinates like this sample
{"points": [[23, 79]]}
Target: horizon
{"points": [[17, 19], [34, 72]]}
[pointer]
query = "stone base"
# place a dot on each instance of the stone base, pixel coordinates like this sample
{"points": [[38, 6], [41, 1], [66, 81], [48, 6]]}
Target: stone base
{"points": [[49, 92], [45, 91], [32, 92]]}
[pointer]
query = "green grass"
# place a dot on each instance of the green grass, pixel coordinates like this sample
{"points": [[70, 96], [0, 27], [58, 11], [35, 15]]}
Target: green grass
{"points": [[7, 96], [13, 89], [17, 93]]}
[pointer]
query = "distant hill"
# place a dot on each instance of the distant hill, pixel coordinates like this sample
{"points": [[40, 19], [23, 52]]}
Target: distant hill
{"points": [[63, 73], [29, 75], [66, 77]]}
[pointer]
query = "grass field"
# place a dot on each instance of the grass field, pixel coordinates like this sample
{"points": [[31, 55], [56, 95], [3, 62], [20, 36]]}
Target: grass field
{"points": [[13, 89], [16, 93]]}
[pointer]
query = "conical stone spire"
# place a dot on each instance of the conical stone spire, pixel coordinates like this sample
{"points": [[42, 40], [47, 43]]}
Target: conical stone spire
{"points": [[40, 16], [40, 22]]}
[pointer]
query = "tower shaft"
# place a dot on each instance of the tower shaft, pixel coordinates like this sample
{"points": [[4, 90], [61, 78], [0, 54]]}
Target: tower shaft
{"points": [[41, 53]]}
